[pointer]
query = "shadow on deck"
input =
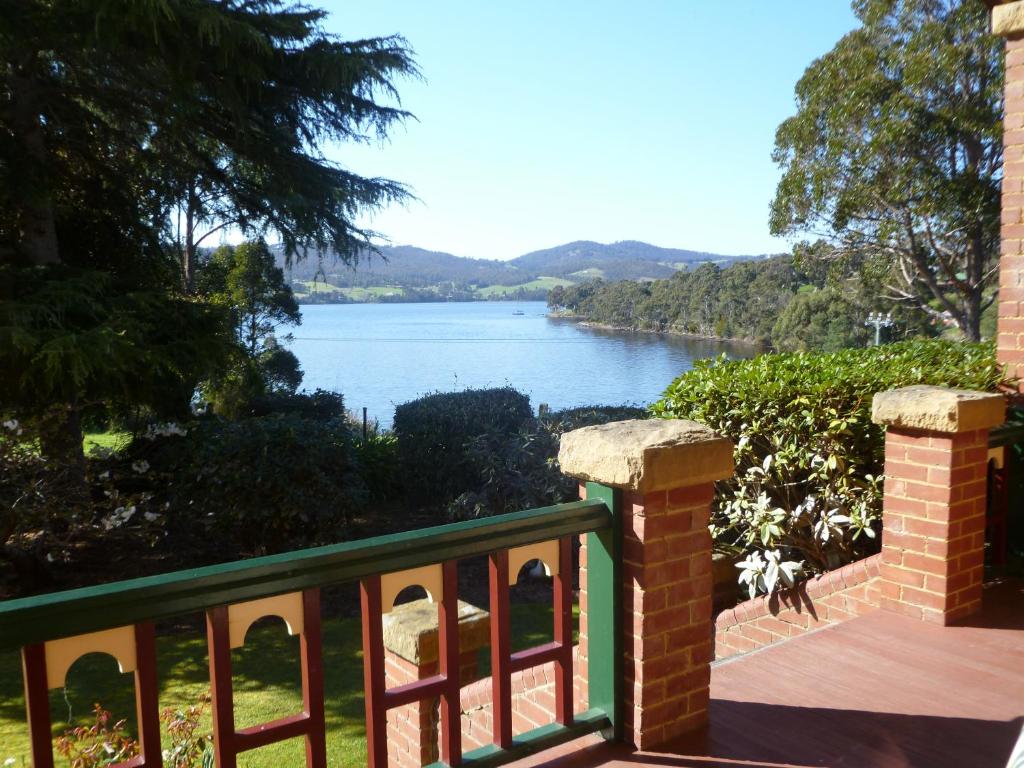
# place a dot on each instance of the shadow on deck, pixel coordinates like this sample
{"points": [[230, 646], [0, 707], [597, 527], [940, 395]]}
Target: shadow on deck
{"points": [[879, 690]]}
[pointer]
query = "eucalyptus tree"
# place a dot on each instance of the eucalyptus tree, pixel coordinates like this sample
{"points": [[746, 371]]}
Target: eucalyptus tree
{"points": [[895, 152]]}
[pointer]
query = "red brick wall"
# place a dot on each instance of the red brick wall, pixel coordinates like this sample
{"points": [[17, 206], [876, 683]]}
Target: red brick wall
{"points": [[826, 599], [413, 729], [533, 703], [933, 538], [1011, 267]]}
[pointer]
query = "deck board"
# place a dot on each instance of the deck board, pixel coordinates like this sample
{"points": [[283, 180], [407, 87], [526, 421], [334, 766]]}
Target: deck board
{"points": [[879, 690]]}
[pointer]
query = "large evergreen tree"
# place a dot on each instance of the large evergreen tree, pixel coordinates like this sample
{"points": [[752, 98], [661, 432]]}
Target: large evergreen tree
{"points": [[118, 118], [895, 152]]}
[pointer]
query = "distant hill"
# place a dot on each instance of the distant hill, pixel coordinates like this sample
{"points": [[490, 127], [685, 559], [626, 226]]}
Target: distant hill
{"points": [[625, 260], [408, 273], [406, 265]]}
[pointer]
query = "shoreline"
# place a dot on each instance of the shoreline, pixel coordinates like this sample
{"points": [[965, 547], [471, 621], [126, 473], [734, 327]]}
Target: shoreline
{"points": [[580, 320]]}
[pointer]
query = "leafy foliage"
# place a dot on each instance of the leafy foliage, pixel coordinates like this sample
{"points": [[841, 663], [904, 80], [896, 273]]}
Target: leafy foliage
{"points": [[432, 433], [191, 746], [896, 151], [266, 483], [69, 335], [246, 279], [809, 460], [741, 301], [513, 472], [378, 459], [100, 744], [520, 470], [825, 320]]}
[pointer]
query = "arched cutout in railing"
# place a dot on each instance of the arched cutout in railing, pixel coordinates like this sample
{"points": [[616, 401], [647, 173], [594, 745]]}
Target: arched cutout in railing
{"points": [[46, 666]]}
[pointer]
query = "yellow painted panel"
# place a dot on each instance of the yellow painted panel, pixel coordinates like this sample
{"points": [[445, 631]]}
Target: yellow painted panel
{"points": [[61, 654]]}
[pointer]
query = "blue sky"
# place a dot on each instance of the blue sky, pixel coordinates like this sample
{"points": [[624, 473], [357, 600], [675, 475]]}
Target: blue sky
{"points": [[539, 123]]}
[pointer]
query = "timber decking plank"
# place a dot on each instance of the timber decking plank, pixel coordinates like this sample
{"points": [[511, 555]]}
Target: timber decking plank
{"points": [[879, 690]]}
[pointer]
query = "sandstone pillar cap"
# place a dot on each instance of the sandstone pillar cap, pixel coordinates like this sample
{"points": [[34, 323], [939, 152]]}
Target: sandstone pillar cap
{"points": [[1007, 17], [410, 630], [646, 455], [938, 409]]}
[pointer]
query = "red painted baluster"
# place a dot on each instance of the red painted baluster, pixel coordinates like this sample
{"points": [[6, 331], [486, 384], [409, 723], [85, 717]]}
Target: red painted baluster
{"points": [[37, 704], [37, 701], [311, 649], [501, 672], [373, 673], [218, 644], [147, 705], [448, 655], [563, 633], [228, 741]]}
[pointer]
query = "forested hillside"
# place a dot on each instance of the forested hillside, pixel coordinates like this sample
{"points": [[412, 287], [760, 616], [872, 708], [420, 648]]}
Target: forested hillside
{"points": [[407, 273], [768, 301]]}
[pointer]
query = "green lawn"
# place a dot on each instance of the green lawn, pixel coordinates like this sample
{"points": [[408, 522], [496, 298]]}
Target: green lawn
{"points": [[546, 283], [111, 441], [266, 674], [304, 288], [371, 292]]}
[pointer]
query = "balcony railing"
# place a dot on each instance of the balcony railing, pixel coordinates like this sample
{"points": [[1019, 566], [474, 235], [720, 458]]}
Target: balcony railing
{"points": [[53, 630]]}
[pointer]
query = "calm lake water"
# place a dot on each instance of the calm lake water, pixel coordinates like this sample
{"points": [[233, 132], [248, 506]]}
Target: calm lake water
{"points": [[382, 355]]}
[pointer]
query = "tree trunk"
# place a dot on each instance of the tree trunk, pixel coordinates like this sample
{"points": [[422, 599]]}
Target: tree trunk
{"points": [[972, 316], [188, 264], [39, 240], [60, 442]]}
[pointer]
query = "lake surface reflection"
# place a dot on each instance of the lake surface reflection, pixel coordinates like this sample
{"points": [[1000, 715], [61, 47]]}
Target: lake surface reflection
{"points": [[381, 355]]}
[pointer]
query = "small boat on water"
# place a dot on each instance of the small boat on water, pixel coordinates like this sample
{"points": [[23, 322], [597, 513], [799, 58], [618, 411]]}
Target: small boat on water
{"points": [[519, 312]]}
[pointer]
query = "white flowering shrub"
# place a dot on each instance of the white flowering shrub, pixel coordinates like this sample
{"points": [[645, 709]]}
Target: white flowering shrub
{"points": [[807, 493]]}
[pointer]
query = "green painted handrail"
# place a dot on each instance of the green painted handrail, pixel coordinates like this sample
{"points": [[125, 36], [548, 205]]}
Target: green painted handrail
{"points": [[90, 609]]}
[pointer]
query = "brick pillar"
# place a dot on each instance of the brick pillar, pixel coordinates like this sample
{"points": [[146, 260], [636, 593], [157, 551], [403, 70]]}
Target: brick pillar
{"points": [[933, 521], [410, 654], [666, 471], [1008, 20]]}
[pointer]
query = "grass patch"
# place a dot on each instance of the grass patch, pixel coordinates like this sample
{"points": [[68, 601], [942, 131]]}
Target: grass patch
{"points": [[108, 441], [307, 287], [371, 292], [266, 674], [545, 283]]}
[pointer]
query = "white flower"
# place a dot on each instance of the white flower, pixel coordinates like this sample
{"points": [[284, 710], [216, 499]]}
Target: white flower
{"points": [[105, 475], [142, 467], [11, 425], [151, 516], [120, 516], [153, 431], [9, 761], [49, 558]]}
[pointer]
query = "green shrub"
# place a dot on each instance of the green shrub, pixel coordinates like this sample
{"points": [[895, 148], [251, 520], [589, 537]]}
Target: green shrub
{"points": [[808, 458], [378, 462], [321, 405], [590, 415], [516, 472], [432, 432], [267, 483], [521, 471]]}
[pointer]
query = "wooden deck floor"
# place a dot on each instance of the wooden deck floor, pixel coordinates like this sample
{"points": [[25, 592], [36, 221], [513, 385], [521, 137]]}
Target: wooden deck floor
{"points": [[880, 690]]}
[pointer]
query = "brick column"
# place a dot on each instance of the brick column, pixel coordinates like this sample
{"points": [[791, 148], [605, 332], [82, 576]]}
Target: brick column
{"points": [[666, 471], [933, 521], [410, 654], [1008, 20]]}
